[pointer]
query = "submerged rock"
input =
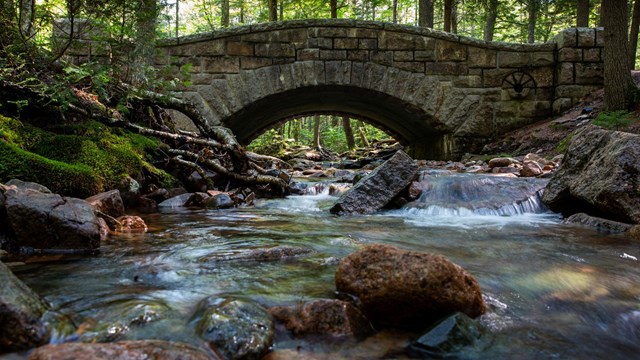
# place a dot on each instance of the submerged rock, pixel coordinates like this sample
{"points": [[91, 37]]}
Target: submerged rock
{"points": [[599, 175], [378, 188], [407, 289], [21, 311], [131, 223], [234, 328], [270, 254], [448, 337], [49, 221], [600, 224], [124, 350], [176, 201], [219, 201], [324, 317]]}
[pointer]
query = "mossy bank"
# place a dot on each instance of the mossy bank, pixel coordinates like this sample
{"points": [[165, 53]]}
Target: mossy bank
{"points": [[76, 159]]}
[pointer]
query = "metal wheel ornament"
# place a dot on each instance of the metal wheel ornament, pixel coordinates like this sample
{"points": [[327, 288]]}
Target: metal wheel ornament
{"points": [[519, 84]]}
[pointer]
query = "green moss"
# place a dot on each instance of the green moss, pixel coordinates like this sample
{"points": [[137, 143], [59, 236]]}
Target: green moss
{"points": [[614, 120], [62, 178], [107, 154], [564, 144]]}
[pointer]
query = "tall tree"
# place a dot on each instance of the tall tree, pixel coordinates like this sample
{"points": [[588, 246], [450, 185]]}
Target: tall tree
{"points": [[425, 13], [582, 13], [395, 11], [146, 16], [273, 10], [333, 4], [532, 13], [633, 34], [448, 10], [224, 18], [618, 85], [348, 132], [454, 17], [27, 17], [316, 132], [490, 25]]}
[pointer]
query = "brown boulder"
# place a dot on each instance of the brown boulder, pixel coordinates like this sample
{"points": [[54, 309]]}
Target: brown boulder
{"points": [[407, 289], [130, 223], [124, 350], [324, 317], [530, 168], [108, 202]]}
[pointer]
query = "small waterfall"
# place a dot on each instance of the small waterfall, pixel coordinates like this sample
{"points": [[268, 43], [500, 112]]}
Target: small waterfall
{"points": [[451, 194]]}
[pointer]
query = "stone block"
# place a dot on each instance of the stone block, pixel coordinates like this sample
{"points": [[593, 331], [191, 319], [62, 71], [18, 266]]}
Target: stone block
{"points": [[287, 60], [494, 77], [567, 38], [275, 50], [450, 51], [358, 55], [368, 44], [569, 54], [468, 81], [366, 33], [600, 37], [207, 48], [345, 43], [561, 105], [333, 54], [357, 73], [513, 59], [254, 62], [479, 57], [289, 36], [333, 72], [565, 74], [403, 55], [592, 55], [308, 54], [373, 75], [542, 59], [382, 57], [589, 73], [221, 65], [239, 48], [425, 55], [331, 32], [445, 68], [321, 43], [574, 91], [201, 79], [390, 40], [542, 76], [586, 37], [413, 66]]}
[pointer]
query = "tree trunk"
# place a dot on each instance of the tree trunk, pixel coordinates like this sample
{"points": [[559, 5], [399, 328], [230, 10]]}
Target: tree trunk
{"points": [[363, 134], [273, 10], [224, 21], [425, 13], [490, 25], [334, 8], [448, 8], [395, 11], [145, 48], [532, 10], [241, 11], [27, 16], [618, 85], [348, 132], [582, 13], [633, 35], [316, 132]]}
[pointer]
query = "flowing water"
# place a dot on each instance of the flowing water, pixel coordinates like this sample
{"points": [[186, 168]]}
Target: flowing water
{"points": [[554, 290]]}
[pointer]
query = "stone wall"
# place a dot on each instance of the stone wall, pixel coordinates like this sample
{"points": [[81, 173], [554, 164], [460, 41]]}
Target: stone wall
{"points": [[580, 68]]}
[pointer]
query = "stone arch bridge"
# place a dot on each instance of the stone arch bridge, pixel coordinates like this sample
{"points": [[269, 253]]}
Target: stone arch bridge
{"points": [[440, 93]]}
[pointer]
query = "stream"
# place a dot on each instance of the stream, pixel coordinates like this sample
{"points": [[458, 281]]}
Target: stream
{"points": [[553, 290]]}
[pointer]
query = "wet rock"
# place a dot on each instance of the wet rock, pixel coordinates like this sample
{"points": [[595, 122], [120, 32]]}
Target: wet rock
{"points": [[301, 164], [147, 205], [324, 317], [448, 337], [219, 201], [108, 202], [407, 289], [104, 229], [279, 174], [21, 311], [599, 176], [176, 201], [129, 191], [196, 183], [197, 199], [634, 232], [234, 328], [131, 223], [271, 254], [501, 162], [600, 224], [124, 350], [378, 188], [24, 185], [49, 221], [505, 170], [530, 169]]}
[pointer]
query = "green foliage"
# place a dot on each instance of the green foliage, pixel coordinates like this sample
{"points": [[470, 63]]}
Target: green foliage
{"points": [[614, 120]]}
